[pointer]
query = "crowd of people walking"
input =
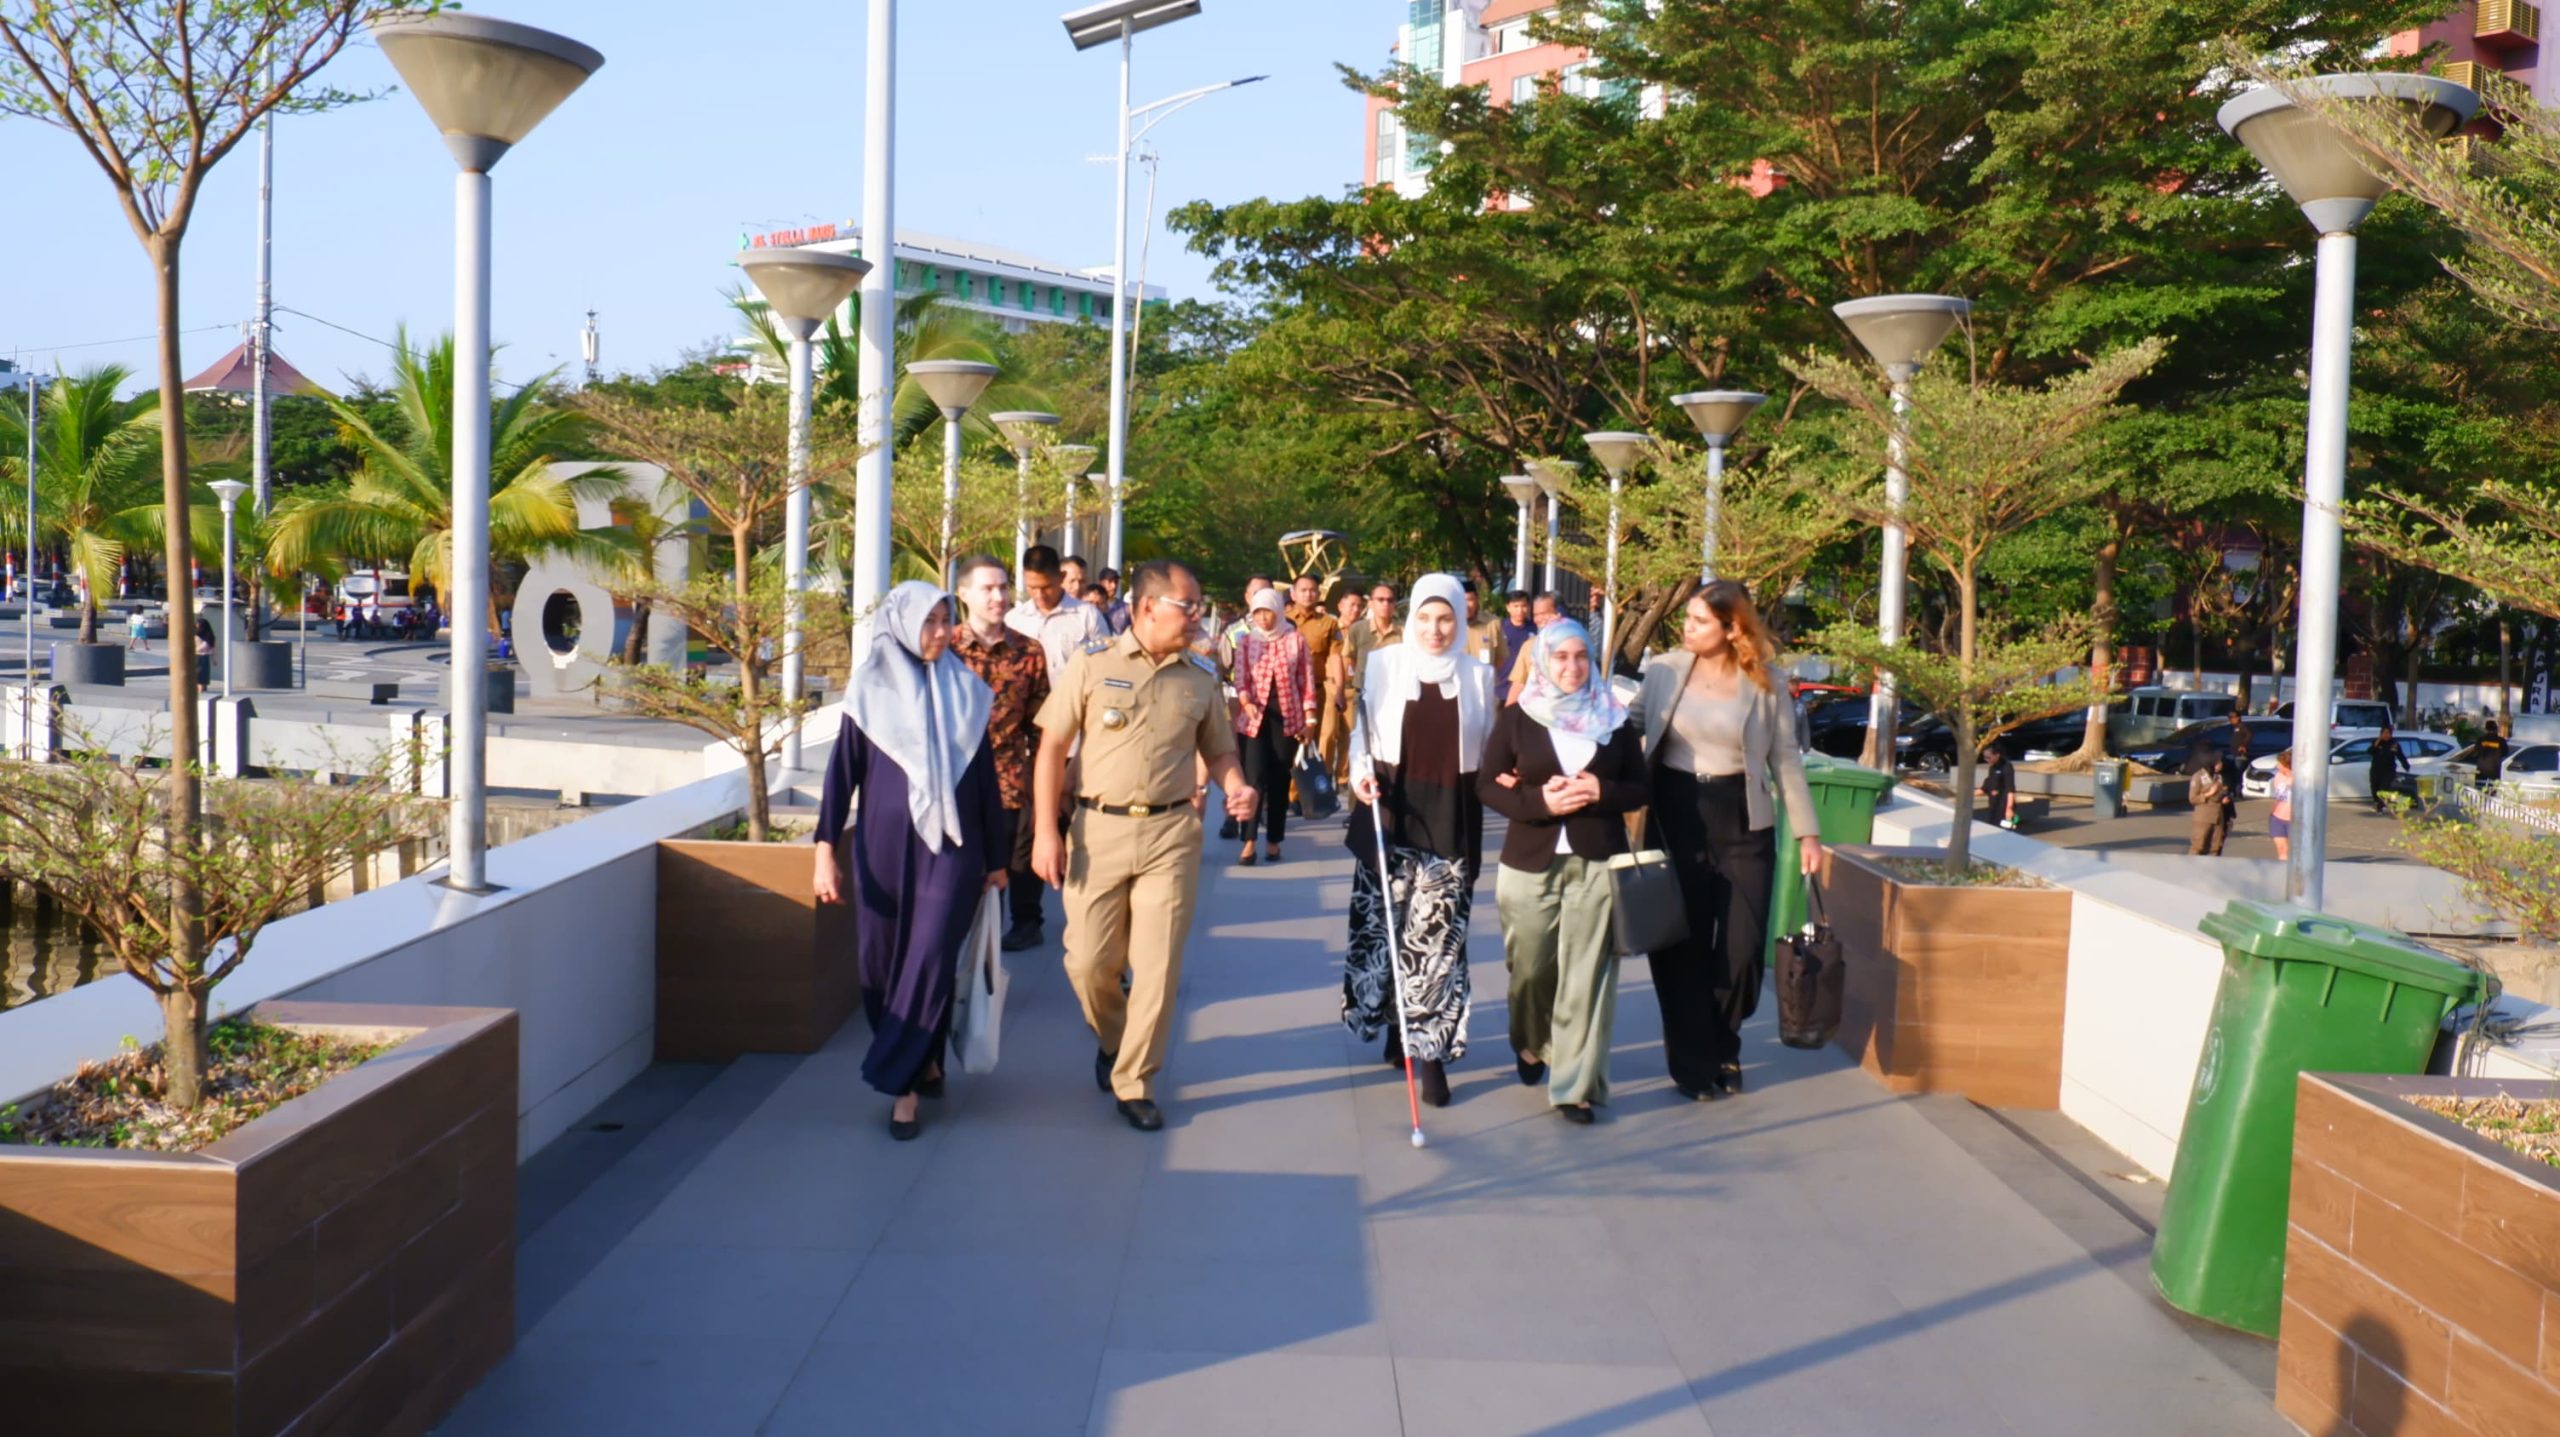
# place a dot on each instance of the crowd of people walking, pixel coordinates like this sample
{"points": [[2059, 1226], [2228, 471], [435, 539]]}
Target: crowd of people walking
{"points": [[1073, 743]]}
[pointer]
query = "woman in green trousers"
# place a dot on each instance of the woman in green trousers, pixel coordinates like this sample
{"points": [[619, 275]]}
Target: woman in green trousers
{"points": [[1564, 766]]}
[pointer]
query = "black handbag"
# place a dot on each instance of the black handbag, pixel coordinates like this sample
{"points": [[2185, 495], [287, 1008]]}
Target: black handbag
{"points": [[1811, 976], [1645, 911], [1317, 796]]}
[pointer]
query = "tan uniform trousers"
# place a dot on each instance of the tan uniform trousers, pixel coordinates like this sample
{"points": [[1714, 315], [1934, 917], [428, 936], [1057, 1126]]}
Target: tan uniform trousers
{"points": [[1131, 885], [1333, 733]]}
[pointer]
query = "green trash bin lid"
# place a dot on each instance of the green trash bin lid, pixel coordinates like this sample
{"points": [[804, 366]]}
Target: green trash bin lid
{"points": [[1823, 771], [2288, 932]]}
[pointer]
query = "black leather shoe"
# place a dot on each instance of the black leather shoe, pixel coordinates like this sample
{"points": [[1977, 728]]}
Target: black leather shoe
{"points": [[1141, 1114], [905, 1132], [1574, 1112], [1695, 1095], [1434, 1078], [1102, 1062], [1020, 936], [1530, 1072], [1729, 1077]]}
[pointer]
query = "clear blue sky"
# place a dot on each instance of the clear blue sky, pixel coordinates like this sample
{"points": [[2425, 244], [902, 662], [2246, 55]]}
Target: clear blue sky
{"points": [[706, 121]]}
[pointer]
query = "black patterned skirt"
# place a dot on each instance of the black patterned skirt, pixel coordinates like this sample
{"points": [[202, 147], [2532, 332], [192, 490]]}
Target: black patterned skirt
{"points": [[1434, 897]]}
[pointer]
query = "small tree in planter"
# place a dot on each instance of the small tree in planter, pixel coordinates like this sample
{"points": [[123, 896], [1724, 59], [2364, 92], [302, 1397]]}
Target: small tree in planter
{"points": [[735, 464], [1985, 460], [92, 834]]}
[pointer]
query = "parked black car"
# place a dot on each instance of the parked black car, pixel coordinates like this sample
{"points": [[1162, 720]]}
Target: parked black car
{"points": [[2170, 754]]}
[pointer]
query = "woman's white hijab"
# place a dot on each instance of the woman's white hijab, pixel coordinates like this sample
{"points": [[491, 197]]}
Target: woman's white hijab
{"points": [[1398, 671], [928, 718]]}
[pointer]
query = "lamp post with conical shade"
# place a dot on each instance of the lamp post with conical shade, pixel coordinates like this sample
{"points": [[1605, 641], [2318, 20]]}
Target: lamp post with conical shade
{"points": [[1026, 432], [228, 491], [1554, 478], [1719, 415], [1898, 331], [2324, 172], [1524, 492], [953, 385], [801, 287], [1070, 461], [484, 84], [1618, 451]]}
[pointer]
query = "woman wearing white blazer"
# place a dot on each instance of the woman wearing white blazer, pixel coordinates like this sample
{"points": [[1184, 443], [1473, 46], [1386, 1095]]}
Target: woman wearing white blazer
{"points": [[1720, 749], [1426, 708]]}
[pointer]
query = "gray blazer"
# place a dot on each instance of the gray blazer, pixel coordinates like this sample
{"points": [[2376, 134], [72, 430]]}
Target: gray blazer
{"points": [[1768, 739]]}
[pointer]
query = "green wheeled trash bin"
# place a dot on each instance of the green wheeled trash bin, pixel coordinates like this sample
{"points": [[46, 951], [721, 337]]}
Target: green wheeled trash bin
{"points": [[1844, 807], [2301, 992], [2106, 788]]}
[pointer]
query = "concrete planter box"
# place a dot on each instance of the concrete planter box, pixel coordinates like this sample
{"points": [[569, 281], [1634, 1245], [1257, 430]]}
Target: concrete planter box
{"points": [[2422, 1266], [1951, 989], [345, 1263], [266, 664], [89, 665], [748, 960]]}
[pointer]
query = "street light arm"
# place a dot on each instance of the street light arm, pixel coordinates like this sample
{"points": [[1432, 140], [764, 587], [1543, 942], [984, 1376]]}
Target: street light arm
{"points": [[1174, 104]]}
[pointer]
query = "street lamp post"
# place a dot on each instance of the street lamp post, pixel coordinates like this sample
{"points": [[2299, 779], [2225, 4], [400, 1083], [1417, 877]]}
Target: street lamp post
{"points": [[1026, 432], [2322, 170], [1554, 477], [1719, 415], [801, 287], [953, 385], [1070, 461], [484, 84], [1618, 451], [34, 384], [1524, 492], [229, 492], [1122, 21], [1100, 482], [1898, 331]]}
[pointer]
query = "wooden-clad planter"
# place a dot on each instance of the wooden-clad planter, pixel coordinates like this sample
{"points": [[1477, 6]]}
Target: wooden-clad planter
{"points": [[1951, 989], [748, 960], [345, 1263], [2422, 1266]]}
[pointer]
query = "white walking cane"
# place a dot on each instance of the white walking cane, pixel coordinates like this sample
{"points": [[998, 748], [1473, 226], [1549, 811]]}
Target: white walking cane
{"points": [[1395, 949]]}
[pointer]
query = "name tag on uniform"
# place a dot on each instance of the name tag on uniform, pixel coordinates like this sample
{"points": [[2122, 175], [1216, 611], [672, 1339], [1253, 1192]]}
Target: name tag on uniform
{"points": [[1118, 684]]}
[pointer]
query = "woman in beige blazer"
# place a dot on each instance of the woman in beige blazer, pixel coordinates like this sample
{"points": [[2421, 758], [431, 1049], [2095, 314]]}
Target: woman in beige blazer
{"points": [[1719, 744]]}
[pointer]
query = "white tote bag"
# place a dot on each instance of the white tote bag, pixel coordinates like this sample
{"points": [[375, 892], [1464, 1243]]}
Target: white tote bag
{"points": [[977, 1017]]}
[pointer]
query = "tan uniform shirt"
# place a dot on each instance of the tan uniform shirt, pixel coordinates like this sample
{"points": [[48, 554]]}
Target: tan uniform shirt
{"points": [[1321, 631], [1143, 720], [1484, 640]]}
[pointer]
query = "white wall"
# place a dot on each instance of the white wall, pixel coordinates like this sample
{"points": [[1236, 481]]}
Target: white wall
{"points": [[2142, 979], [568, 941]]}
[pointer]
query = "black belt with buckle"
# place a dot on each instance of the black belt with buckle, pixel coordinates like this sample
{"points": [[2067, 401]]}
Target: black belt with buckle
{"points": [[1133, 810]]}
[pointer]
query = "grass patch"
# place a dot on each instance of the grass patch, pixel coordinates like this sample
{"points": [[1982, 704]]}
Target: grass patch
{"points": [[250, 1069], [2531, 1128]]}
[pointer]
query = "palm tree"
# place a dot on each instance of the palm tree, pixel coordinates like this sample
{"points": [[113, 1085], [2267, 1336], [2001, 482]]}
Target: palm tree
{"points": [[399, 505], [927, 329], [97, 478]]}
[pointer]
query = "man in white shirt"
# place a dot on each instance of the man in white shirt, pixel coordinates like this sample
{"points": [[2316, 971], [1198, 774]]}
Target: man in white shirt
{"points": [[1059, 622]]}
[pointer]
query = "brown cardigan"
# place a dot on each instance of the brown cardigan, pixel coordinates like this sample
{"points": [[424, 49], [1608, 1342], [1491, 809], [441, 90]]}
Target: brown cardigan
{"points": [[1520, 747]]}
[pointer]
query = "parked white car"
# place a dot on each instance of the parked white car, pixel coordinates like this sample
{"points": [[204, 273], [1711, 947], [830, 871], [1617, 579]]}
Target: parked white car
{"points": [[2349, 760]]}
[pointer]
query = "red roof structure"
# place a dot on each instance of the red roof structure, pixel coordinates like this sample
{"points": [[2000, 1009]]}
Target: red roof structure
{"points": [[231, 374]]}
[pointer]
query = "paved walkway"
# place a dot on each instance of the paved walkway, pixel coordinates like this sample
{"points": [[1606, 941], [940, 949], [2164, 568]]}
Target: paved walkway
{"points": [[1817, 1257]]}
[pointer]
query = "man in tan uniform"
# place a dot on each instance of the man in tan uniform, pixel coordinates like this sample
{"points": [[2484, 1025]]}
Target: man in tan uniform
{"points": [[1146, 711], [1323, 635]]}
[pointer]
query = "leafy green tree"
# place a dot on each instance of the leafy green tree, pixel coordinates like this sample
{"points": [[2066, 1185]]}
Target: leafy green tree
{"points": [[399, 506], [1986, 460], [157, 93], [98, 459]]}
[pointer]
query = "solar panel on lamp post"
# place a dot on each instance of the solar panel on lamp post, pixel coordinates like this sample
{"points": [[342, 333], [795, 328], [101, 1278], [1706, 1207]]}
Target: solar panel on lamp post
{"points": [[2324, 173], [801, 287], [1898, 331], [484, 84], [1719, 415]]}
